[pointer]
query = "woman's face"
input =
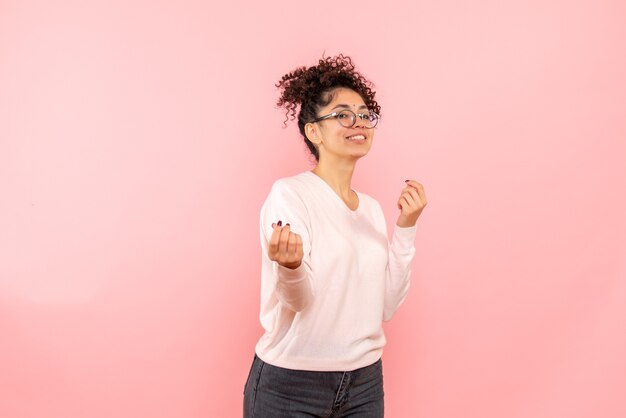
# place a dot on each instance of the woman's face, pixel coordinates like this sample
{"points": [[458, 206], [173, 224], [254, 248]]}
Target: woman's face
{"points": [[333, 138]]}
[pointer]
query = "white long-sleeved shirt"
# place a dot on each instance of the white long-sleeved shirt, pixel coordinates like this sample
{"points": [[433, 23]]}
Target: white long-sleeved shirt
{"points": [[326, 315]]}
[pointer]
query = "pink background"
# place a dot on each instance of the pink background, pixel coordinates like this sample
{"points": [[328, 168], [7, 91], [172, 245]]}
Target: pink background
{"points": [[139, 139]]}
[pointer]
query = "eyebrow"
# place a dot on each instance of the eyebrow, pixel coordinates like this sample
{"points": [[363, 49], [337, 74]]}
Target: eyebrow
{"points": [[348, 107]]}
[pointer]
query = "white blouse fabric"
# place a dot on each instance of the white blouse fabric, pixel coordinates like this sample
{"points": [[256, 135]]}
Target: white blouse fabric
{"points": [[327, 314]]}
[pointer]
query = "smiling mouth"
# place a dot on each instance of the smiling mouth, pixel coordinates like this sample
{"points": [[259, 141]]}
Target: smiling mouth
{"points": [[358, 137]]}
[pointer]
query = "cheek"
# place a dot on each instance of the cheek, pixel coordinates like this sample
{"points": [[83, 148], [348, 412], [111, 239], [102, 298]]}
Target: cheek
{"points": [[336, 135], [342, 133]]}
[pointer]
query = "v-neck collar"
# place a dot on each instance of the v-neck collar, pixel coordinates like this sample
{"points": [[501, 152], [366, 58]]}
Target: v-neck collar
{"points": [[337, 197]]}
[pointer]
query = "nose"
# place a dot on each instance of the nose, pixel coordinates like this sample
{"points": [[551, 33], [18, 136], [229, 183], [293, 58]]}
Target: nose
{"points": [[358, 122]]}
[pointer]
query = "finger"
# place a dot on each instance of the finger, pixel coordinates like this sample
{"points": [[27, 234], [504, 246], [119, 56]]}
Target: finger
{"points": [[273, 242], [407, 196], [299, 251], [414, 184], [407, 189], [400, 202], [420, 191], [292, 245], [405, 203], [416, 197], [422, 194], [284, 239]]}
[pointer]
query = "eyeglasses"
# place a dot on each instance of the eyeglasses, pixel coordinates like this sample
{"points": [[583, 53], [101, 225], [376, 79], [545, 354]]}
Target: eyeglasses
{"points": [[347, 118]]}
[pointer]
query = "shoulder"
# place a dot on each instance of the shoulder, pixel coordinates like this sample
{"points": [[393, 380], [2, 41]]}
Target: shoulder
{"points": [[294, 187], [296, 183]]}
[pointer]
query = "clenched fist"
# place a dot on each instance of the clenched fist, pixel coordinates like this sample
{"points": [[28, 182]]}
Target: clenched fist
{"points": [[285, 247]]}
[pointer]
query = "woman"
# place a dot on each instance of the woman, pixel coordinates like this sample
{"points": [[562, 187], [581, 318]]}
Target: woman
{"points": [[329, 275]]}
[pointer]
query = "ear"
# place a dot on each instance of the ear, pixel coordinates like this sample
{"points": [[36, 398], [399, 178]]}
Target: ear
{"points": [[312, 133]]}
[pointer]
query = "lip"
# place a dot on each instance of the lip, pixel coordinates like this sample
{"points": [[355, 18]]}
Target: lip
{"points": [[357, 133]]}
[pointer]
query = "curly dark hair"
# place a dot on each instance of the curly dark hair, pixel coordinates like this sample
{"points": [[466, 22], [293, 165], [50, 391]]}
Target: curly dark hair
{"points": [[312, 88]]}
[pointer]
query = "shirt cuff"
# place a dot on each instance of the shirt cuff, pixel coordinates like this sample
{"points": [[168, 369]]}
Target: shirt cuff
{"points": [[291, 275], [406, 232], [404, 237]]}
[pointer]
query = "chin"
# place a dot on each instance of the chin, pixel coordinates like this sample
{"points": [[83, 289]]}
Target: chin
{"points": [[359, 154]]}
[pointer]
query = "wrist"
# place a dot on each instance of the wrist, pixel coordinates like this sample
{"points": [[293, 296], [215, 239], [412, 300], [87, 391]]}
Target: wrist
{"points": [[405, 222], [291, 266]]}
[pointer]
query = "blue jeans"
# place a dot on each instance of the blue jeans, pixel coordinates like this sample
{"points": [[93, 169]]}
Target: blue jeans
{"points": [[275, 392]]}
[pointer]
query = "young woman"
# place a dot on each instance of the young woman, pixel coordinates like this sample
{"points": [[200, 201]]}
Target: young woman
{"points": [[329, 274]]}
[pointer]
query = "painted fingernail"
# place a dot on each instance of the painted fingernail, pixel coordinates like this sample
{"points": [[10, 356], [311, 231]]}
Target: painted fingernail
{"points": [[280, 223], [273, 223], [405, 181], [286, 224]]}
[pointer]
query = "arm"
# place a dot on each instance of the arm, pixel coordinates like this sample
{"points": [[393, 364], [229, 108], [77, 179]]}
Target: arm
{"points": [[398, 273], [401, 250], [292, 287]]}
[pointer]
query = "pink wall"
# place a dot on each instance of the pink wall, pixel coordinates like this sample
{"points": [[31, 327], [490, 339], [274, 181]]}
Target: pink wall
{"points": [[139, 139]]}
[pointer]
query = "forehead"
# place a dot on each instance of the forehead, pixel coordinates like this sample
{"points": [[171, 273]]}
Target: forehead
{"points": [[346, 96]]}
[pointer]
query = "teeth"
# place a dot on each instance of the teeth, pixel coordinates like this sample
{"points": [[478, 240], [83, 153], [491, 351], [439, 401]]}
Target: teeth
{"points": [[356, 137]]}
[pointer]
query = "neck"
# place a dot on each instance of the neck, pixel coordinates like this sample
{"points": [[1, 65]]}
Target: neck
{"points": [[337, 173]]}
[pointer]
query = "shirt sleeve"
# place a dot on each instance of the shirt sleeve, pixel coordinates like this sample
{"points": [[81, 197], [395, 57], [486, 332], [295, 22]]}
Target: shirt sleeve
{"points": [[292, 287], [398, 273]]}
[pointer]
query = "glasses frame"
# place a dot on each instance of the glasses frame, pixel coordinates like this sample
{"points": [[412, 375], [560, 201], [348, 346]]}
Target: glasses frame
{"points": [[335, 114]]}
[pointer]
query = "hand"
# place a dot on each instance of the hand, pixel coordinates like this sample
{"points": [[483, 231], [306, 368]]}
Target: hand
{"points": [[411, 203], [285, 247]]}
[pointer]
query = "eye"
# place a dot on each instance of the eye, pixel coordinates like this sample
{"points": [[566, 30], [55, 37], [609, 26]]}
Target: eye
{"points": [[343, 116]]}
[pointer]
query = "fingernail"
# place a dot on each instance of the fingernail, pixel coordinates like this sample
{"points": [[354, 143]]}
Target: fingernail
{"points": [[405, 181], [280, 223], [286, 224], [273, 224]]}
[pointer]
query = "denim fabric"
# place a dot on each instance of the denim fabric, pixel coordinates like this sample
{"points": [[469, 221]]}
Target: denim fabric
{"points": [[276, 392]]}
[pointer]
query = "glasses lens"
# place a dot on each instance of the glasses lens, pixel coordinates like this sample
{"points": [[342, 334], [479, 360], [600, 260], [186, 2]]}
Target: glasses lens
{"points": [[346, 118], [370, 119]]}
